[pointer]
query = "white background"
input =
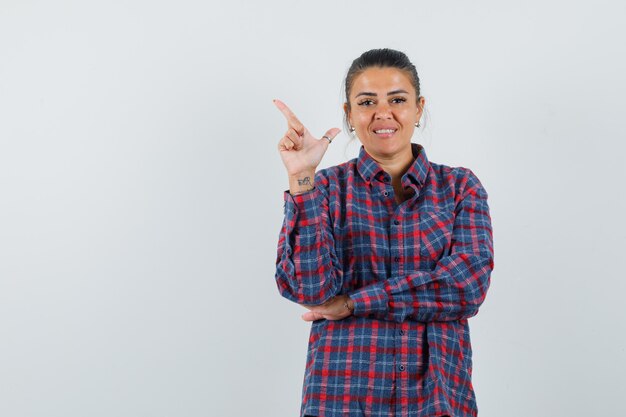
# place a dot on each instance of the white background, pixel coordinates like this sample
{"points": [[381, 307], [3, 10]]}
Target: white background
{"points": [[141, 195]]}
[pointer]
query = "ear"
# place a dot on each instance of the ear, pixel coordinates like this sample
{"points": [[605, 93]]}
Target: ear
{"points": [[421, 101], [347, 112]]}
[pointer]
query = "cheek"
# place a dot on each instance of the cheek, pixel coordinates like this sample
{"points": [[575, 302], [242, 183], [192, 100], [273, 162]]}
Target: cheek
{"points": [[362, 120], [363, 116], [413, 114]]}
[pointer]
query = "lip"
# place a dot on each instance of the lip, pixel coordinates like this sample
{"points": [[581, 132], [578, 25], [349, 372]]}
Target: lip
{"points": [[384, 135]]}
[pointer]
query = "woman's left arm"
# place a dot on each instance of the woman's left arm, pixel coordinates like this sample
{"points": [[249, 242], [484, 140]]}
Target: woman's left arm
{"points": [[458, 284]]}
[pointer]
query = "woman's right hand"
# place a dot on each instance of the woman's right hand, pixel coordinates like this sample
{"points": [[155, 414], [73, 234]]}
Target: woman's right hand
{"points": [[299, 150]]}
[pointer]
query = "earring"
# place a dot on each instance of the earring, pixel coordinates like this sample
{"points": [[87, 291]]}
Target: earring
{"points": [[352, 129], [417, 124]]}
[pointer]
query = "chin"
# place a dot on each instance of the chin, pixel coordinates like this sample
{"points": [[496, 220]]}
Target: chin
{"points": [[390, 144]]}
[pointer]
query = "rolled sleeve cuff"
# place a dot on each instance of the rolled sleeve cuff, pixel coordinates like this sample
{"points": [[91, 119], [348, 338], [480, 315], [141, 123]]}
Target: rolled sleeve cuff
{"points": [[304, 208], [372, 299]]}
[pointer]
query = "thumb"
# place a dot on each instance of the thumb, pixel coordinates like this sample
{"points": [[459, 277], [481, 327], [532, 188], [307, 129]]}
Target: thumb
{"points": [[311, 315], [331, 133]]}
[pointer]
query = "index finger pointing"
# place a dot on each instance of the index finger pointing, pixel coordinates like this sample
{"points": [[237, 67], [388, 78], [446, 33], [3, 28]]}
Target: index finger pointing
{"points": [[292, 120]]}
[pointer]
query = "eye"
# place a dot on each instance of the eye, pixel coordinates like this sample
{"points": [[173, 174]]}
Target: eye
{"points": [[366, 102], [398, 100]]}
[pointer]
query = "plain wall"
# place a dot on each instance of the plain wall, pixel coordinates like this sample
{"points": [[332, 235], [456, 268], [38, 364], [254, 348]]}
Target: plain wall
{"points": [[141, 195]]}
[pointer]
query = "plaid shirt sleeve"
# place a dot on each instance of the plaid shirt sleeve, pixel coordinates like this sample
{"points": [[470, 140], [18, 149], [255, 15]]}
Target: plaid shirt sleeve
{"points": [[307, 268], [458, 284]]}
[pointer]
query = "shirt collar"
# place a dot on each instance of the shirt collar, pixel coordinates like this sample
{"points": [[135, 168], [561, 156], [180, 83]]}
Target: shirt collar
{"points": [[417, 172]]}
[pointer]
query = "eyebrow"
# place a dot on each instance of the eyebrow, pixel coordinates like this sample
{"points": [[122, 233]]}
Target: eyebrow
{"points": [[391, 93]]}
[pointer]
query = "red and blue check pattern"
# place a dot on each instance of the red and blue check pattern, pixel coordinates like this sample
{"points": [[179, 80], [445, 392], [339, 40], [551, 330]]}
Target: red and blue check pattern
{"points": [[417, 271]]}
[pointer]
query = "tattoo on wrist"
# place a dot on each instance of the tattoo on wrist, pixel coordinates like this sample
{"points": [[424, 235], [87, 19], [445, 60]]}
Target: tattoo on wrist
{"points": [[304, 181]]}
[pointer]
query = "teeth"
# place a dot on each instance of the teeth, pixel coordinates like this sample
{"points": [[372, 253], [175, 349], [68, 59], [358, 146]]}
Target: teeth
{"points": [[385, 131]]}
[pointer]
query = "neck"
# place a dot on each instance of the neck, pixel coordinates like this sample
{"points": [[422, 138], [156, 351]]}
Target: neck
{"points": [[396, 165]]}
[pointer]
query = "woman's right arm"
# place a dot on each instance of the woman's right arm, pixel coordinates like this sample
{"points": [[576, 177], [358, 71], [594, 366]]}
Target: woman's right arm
{"points": [[307, 269]]}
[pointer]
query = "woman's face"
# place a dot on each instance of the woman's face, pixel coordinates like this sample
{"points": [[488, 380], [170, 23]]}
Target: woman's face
{"points": [[383, 111]]}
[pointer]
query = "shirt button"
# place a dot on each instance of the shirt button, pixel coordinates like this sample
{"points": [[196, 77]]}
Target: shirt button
{"points": [[396, 222], [401, 332], [368, 178], [397, 259], [385, 193], [401, 367]]}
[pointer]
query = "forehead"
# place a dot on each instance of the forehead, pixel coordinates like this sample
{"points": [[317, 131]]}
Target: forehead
{"points": [[382, 80]]}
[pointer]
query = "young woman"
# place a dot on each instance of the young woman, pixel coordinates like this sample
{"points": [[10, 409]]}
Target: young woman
{"points": [[390, 253]]}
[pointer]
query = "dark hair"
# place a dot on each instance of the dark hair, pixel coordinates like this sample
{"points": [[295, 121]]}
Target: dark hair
{"points": [[383, 58]]}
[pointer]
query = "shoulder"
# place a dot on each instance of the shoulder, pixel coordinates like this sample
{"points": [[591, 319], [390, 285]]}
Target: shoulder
{"points": [[335, 175], [462, 179]]}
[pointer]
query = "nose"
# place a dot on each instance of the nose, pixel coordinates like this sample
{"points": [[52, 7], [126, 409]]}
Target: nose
{"points": [[383, 111]]}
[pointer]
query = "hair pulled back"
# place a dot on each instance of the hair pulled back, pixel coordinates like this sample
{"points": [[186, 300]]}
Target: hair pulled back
{"points": [[381, 58]]}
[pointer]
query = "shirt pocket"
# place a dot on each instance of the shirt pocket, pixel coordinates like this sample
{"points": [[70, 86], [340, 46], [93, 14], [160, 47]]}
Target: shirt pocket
{"points": [[435, 234]]}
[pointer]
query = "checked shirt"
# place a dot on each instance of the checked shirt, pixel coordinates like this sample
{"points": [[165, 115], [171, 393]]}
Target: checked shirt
{"points": [[416, 271]]}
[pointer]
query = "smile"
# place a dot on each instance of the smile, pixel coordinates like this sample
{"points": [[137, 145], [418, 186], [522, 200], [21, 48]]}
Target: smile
{"points": [[385, 133]]}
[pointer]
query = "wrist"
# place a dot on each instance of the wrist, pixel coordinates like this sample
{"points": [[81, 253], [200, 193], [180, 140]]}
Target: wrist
{"points": [[300, 174], [301, 182], [349, 304]]}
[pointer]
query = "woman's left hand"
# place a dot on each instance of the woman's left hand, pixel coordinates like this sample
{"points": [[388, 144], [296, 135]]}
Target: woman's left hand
{"points": [[333, 309]]}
